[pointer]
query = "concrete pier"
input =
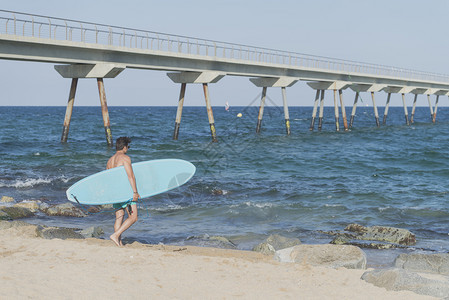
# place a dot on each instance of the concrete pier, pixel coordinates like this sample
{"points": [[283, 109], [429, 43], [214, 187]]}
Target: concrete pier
{"points": [[354, 109], [203, 78], [286, 114], [315, 106], [343, 110], [179, 111], [98, 71], [104, 111], [320, 119], [387, 106], [405, 110], [430, 107], [283, 83], [413, 109], [210, 114], [68, 112], [261, 108], [376, 113]]}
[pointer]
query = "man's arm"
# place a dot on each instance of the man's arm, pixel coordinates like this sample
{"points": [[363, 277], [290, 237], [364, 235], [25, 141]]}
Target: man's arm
{"points": [[131, 177]]}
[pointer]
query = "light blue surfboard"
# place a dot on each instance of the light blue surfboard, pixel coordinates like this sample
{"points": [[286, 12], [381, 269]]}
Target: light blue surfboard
{"points": [[112, 186]]}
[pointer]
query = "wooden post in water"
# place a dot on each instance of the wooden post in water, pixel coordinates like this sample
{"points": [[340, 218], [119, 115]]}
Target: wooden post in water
{"points": [[413, 108], [376, 114], [354, 108], [343, 110], [337, 116], [430, 106], [262, 105], [435, 111], [68, 112], [405, 109], [386, 109], [320, 119], [104, 111], [315, 106], [286, 114], [179, 111], [210, 114]]}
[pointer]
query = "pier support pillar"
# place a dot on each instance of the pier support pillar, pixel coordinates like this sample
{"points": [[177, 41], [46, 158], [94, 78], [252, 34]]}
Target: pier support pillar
{"points": [[387, 105], [430, 107], [179, 111], [320, 119], [262, 105], [405, 109], [329, 85], [413, 109], [286, 114], [104, 111], [337, 115], [354, 108], [435, 110], [376, 113], [195, 77], [315, 106], [210, 114], [98, 71], [369, 88], [281, 82], [68, 112], [343, 110]]}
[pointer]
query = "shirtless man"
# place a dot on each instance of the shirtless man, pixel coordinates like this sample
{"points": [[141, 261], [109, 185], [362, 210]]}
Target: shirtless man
{"points": [[121, 159]]}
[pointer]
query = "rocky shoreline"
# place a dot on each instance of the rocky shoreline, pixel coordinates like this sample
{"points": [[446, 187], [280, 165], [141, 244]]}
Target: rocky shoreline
{"points": [[425, 274]]}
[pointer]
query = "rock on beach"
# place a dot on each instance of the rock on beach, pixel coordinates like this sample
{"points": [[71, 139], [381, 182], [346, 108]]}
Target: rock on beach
{"points": [[332, 256], [396, 279], [65, 210], [275, 242], [425, 274], [32, 205], [12, 213], [6, 199]]}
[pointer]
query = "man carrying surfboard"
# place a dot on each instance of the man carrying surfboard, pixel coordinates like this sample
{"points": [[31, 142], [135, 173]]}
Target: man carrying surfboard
{"points": [[121, 159]]}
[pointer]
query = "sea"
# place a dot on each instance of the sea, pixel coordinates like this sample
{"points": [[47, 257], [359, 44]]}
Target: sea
{"points": [[247, 186]]}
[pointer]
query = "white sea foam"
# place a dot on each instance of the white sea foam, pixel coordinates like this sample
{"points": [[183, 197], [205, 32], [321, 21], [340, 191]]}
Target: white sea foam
{"points": [[252, 204], [31, 182]]}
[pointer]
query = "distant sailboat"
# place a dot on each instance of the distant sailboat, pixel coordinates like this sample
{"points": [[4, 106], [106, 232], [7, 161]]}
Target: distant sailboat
{"points": [[227, 106]]}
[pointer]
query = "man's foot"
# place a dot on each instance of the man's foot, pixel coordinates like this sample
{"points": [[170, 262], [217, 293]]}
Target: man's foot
{"points": [[115, 239]]}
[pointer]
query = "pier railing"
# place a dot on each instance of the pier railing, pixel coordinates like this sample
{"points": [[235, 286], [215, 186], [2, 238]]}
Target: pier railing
{"points": [[44, 27]]}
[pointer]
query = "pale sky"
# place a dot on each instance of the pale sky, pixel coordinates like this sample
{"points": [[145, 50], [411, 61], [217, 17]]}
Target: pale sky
{"points": [[408, 34]]}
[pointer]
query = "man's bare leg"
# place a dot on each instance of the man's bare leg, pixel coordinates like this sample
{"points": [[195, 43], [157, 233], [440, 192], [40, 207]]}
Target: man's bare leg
{"points": [[119, 216], [132, 218]]}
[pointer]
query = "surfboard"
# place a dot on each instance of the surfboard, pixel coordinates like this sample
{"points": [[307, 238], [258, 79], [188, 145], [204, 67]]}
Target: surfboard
{"points": [[153, 177]]}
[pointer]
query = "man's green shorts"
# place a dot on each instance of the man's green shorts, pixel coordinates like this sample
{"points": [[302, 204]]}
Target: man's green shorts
{"points": [[123, 204]]}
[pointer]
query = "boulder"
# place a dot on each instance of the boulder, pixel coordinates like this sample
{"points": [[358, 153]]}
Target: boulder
{"points": [[11, 224], [92, 232], [429, 263], [206, 240], [332, 256], [276, 242], [396, 279], [7, 199], [16, 212], [58, 233], [65, 210], [4, 216], [382, 233], [33, 206]]}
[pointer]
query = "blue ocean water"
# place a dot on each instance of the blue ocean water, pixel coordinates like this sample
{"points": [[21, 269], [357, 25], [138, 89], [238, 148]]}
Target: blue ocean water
{"points": [[247, 186]]}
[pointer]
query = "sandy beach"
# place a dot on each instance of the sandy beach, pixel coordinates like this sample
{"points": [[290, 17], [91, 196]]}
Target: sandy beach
{"points": [[37, 268]]}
